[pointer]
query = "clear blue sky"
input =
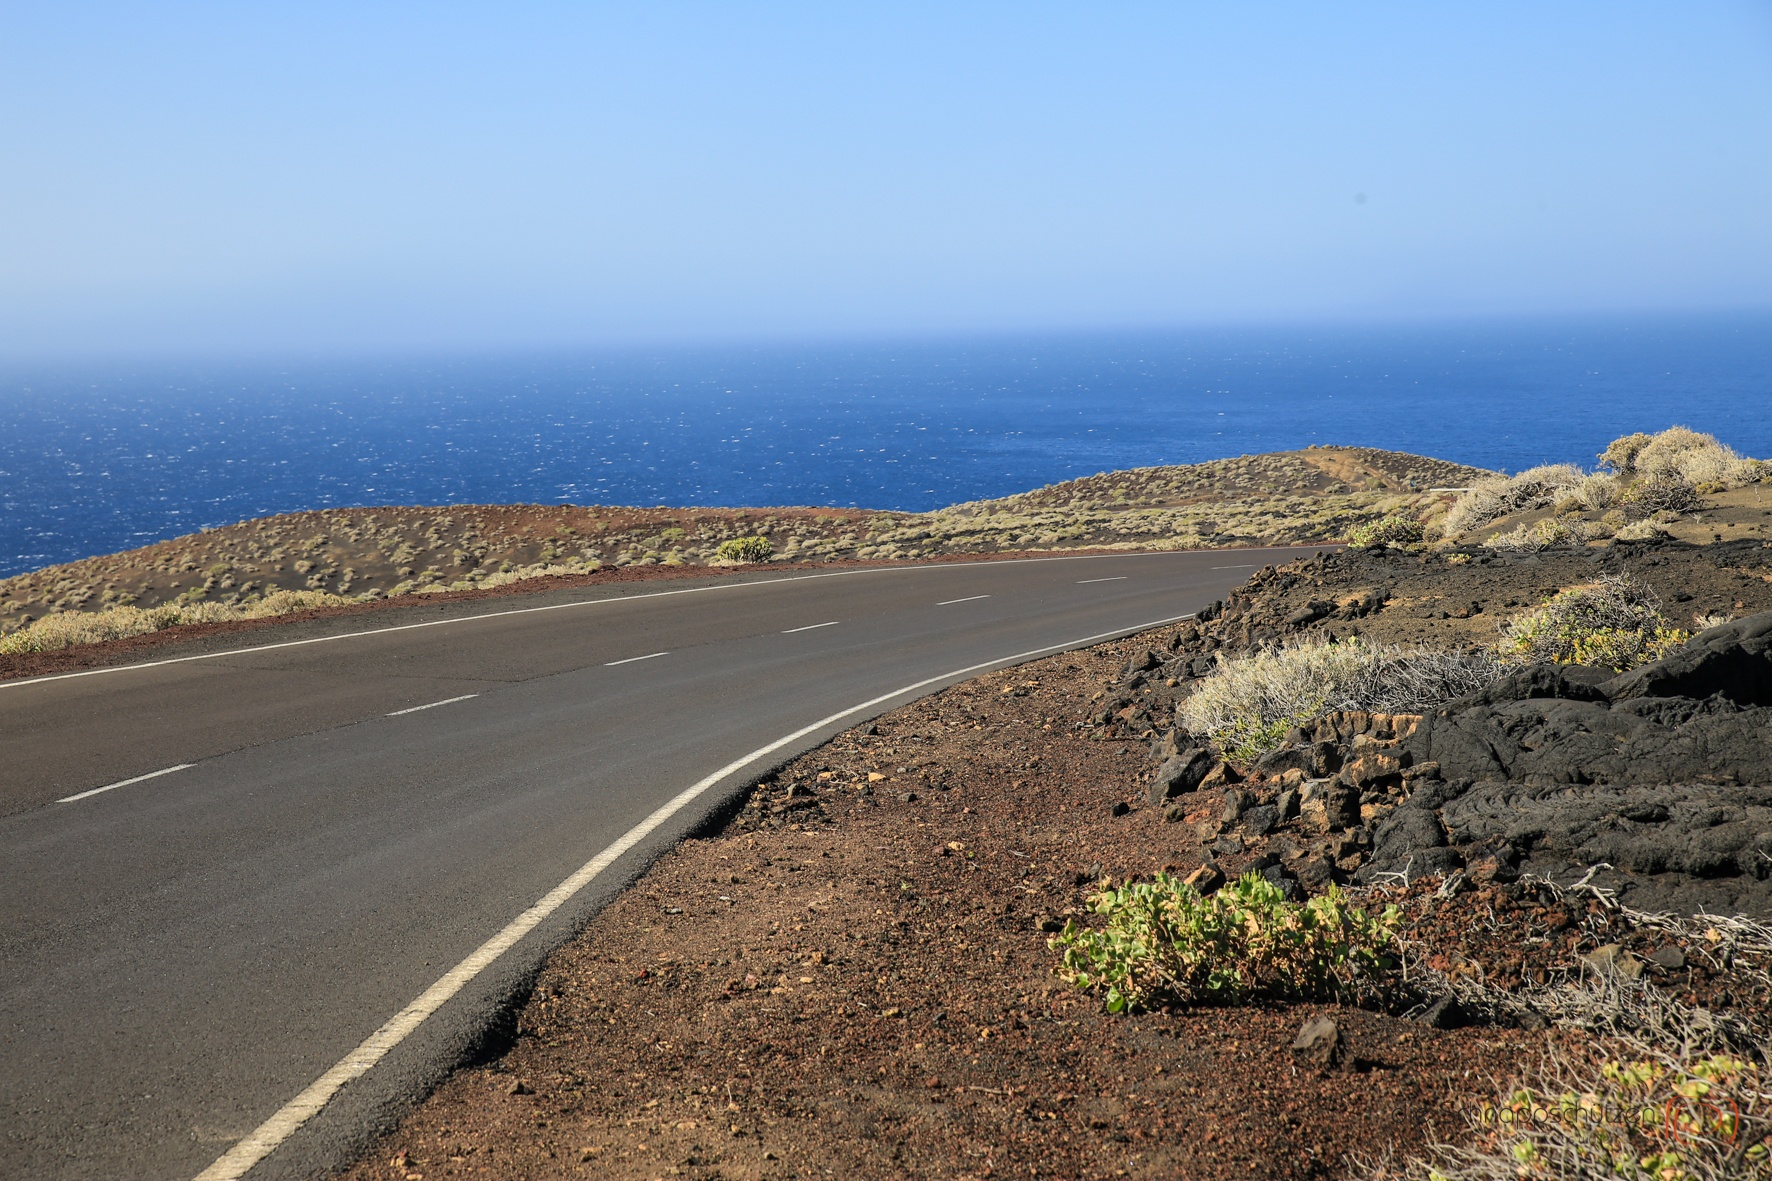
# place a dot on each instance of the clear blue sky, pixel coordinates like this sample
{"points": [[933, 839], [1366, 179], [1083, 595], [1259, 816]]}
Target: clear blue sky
{"points": [[183, 177]]}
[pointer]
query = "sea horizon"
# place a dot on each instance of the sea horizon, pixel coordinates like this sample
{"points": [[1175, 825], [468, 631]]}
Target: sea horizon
{"points": [[107, 455]]}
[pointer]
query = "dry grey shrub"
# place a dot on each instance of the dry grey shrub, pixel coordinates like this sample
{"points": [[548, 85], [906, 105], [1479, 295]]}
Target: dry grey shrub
{"points": [[1641, 531], [1664, 496], [1248, 703], [66, 629], [1542, 534], [1688, 456], [1538, 487], [1597, 492], [1620, 454]]}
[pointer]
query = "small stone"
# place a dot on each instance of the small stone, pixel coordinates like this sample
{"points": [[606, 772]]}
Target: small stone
{"points": [[1373, 768], [1319, 1041], [1180, 775], [1261, 820], [1613, 960], [1492, 868], [1049, 924], [1222, 775], [1174, 814], [1341, 806], [518, 1087], [1445, 1013], [1120, 808], [1208, 831], [1316, 873], [1668, 958], [1234, 803], [1206, 879], [875, 776], [1532, 1020], [907, 797], [1227, 846]]}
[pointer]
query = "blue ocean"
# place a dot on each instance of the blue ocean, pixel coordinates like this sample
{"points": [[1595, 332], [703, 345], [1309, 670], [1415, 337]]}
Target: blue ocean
{"points": [[105, 456]]}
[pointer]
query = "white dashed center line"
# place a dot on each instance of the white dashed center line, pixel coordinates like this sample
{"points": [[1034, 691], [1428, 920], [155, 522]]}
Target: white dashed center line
{"points": [[967, 599], [125, 783], [811, 626], [1244, 566], [433, 705], [631, 659], [1116, 578]]}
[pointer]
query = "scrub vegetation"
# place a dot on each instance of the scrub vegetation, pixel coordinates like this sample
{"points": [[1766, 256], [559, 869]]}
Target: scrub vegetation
{"points": [[1613, 623], [1318, 494], [1649, 487], [1162, 940], [1249, 703]]}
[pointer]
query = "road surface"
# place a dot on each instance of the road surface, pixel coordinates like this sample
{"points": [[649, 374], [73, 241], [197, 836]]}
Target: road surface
{"points": [[220, 875]]}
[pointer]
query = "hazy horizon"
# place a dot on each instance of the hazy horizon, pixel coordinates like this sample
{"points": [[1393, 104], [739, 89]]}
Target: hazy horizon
{"points": [[202, 180]]}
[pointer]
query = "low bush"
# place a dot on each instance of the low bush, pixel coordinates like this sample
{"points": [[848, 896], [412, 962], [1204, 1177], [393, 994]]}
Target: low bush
{"points": [[1538, 487], [1161, 941], [1640, 531], [744, 549], [1613, 623], [1664, 1117], [1682, 456], [1689, 457], [1620, 454], [1247, 704], [1598, 492], [1661, 494], [1395, 531], [67, 629], [1545, 533]]}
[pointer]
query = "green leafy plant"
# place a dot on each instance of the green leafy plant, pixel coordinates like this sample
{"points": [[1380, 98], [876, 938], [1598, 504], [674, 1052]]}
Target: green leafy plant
{"points": [[1162, 941], [1394, 531], [745, 549], [1614, 623]]}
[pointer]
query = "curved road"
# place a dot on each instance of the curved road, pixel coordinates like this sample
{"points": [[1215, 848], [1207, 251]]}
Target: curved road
{"points": [[221, 874]]}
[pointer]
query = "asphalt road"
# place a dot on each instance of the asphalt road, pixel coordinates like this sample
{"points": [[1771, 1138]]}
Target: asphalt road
{"points": [[182, 955]]}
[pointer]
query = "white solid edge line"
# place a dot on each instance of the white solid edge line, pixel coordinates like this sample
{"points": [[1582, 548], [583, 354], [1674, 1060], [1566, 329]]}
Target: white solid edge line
{"points": [[125, 783], [1115, 578], [967, 599], [811, 627], [691, 590], [263, 1140], [631, 659], [1244, 566], [432, 705]]}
